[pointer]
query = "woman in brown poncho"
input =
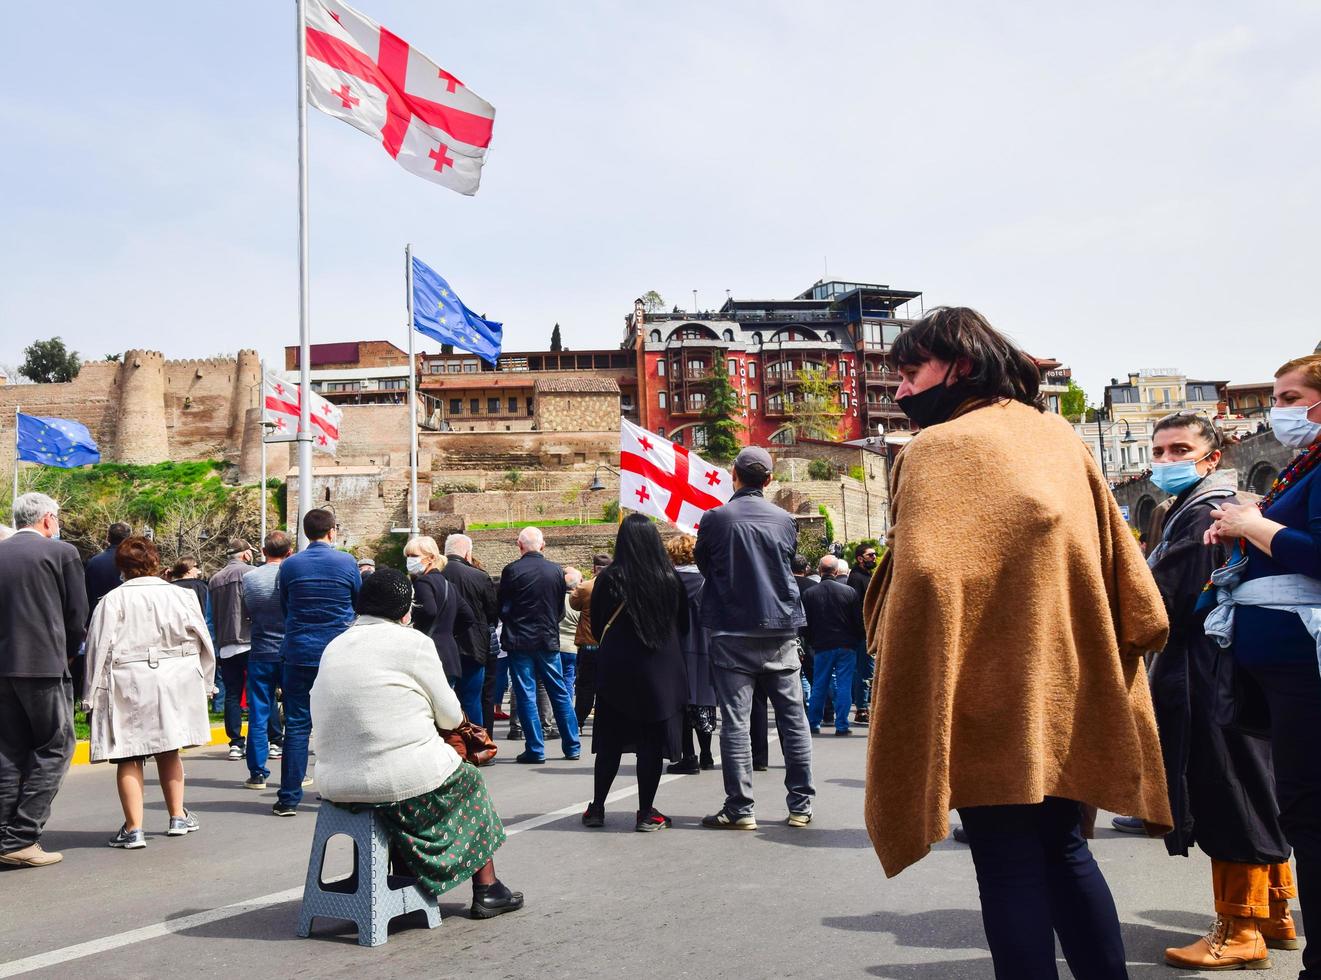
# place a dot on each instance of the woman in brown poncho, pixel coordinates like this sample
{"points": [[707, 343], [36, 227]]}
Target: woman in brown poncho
{"points": [[1008, 621]]}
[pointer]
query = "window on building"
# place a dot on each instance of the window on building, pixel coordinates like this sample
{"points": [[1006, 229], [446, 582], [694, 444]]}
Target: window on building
{"points": [[471, 367], [513, 406], [752, 369], [728, 335], [844, 399], [453, 367], [775, 403], [394, 384], [752, 402], [696, 367], [493, 406], [529, 408], [662, 399], [699, 438], [756, 338], [660, 369], [696, 401], [733, 367], [1202, 393], [456, 406], [661, 432], [474, 405], [434, 367]]}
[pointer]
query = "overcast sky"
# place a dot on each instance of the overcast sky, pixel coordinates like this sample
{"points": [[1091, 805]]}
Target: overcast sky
{"points": [[1125, 186]]}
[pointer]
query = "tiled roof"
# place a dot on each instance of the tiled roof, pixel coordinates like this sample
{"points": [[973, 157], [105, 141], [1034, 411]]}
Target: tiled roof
{"points": [[578, 385]]}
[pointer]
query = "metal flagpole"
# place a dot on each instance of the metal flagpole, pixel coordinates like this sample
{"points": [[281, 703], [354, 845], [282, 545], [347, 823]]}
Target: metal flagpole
{"points": [[412, 396], [261, 428], [304, 332], [14, 499]]}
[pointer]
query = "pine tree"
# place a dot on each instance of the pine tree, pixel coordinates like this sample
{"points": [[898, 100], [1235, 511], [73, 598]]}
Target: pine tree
{"points": [[720, 417], [555, 342]]}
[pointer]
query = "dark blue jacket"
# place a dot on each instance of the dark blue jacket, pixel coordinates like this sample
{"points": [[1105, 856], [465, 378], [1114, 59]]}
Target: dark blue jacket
{"points": [[743, 550], [101, 576], [531, 605], [834, 615], [317, 589]]}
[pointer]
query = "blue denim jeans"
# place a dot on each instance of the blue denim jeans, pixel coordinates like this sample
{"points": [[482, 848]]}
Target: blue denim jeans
{"points": [[469, 689], [839, 662], [569, 670], [234, 670], [263, 679], [1038, 880], [501, 680], [296, 682], [524, 669]]}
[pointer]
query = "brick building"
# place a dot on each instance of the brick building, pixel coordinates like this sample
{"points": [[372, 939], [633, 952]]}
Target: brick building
{"points": [[845, 329]]}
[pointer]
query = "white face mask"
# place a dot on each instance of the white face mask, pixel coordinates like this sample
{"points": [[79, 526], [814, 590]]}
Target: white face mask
{"points": [[1293, 428], [414, 565]]}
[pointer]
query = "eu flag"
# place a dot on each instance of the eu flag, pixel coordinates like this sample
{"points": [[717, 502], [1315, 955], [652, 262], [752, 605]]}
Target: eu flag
{"points": [[55, 442], [439, 314]]}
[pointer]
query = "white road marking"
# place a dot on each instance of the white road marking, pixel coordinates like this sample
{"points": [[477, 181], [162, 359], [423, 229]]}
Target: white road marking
{"points": [[57, 957]]}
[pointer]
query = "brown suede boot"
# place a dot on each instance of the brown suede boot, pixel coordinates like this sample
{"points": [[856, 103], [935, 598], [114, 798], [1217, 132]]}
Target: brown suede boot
{"points": [[1232, 944], [1279, 931]]}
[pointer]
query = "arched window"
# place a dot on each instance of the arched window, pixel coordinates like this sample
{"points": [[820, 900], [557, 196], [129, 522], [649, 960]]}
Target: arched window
{"points": [[728, 335], [756, 338], [655, 336]]}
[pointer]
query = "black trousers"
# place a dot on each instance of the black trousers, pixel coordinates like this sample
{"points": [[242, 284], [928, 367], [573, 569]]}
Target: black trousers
{"points": [[1038, 880], [584, 685], [488, 696], [1293, 694], [36, 746]]}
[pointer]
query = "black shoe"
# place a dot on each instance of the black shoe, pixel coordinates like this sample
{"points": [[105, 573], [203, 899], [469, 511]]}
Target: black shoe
{"points": [[650, 821], [687, 766], [528, 759], [575, 757], [846, 731], [488, 901], [515, 734], [551, 734], [284, 810], [707, 763], [861, 717], [960, 834], [760, 767], [594, 816]]}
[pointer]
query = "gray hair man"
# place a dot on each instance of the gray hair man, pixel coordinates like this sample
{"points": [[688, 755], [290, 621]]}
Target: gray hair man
{"points": [[43, 616], [261, 598], [478, 680], [750, 603], [233, 638], [532, 604]]}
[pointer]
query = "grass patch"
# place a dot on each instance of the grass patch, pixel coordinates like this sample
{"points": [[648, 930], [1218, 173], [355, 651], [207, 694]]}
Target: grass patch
{"points": [[82, 732]]}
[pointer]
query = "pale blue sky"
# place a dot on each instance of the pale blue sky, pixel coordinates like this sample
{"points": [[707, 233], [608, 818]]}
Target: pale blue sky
{"points": [[1128, 186]]}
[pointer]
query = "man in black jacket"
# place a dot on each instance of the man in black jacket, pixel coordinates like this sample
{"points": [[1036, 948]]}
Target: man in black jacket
{"points": [[478, 591], [531, 599], [750, 604], [43, 617], [834, 626], [101, 577], [860, 579]]}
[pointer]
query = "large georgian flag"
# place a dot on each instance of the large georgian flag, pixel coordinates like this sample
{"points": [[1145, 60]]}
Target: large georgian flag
{"points": [[282, 400], [665, 480], [427, 119]]}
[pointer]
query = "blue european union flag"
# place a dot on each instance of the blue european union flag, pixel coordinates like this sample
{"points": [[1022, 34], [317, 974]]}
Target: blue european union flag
{"points": [[439, 314], [55, 442]]}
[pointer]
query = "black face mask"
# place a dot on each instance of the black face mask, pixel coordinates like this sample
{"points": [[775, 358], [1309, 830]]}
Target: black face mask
{"points": [[936, 404]]}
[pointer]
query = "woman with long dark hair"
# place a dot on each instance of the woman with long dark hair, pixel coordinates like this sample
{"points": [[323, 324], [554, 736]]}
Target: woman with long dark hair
{"points": [[639, 609]]}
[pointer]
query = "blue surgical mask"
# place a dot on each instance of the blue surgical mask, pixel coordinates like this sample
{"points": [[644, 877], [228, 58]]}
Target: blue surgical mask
{"points": [[1293, 428], [413, 564], [1175, 478]]}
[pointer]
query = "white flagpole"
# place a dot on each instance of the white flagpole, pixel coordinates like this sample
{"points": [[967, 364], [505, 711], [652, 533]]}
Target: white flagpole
{"points": [[14, 500], [412, 396], [261, 428], [304, 331]]}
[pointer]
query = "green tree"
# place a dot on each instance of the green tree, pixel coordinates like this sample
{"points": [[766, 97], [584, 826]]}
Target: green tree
{"points": [[1073, 403], [816, 413], [720, 417], [45, 361], [115, 358], [556, 344], [652, 302]]}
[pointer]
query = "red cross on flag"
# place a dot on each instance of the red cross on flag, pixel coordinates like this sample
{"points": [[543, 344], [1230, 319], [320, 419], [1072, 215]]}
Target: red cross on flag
{"points": [[664, 479], [429, 121], [282, 412]]}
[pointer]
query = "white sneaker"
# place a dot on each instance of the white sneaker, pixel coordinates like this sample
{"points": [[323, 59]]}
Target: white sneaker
{"points": [[276, 752], [235, 753]]}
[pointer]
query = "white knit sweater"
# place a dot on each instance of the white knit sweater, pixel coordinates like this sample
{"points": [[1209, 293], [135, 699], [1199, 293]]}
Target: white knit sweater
{"points": [[378, 701]]}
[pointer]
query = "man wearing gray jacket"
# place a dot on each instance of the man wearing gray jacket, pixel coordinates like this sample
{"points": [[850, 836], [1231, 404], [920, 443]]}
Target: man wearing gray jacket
{"points": [[233, 637], [751, 606], [43, 615]]}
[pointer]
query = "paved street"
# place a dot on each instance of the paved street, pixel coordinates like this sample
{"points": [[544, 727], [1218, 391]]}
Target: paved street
{"points": [[686, 902]]}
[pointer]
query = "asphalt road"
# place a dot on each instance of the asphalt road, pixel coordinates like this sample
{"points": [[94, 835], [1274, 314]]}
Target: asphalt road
{"points": [[686, 902]]}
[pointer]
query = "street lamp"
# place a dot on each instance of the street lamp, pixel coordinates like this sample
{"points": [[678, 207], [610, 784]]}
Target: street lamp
{"points": [[596, 477], [1103, 415]]}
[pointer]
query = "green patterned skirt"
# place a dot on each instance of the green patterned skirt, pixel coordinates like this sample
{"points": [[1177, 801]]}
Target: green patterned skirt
{"points": [[445, 836]]}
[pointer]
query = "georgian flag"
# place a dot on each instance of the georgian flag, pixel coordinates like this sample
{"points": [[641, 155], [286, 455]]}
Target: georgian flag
{"points": [[281, 410], [663, 479], [427, 119]]}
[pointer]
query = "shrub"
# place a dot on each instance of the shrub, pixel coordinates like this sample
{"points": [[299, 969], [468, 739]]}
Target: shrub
{"points": [[857, 473], [610, 511], [830, 525], [821, 469]]}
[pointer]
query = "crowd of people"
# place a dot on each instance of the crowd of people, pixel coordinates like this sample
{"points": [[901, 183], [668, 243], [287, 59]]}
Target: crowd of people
{"points": [[1016, 655]]}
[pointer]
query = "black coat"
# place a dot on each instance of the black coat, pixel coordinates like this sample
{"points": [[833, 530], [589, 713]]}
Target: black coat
{"points": [[694, 642], [531, 605], [641, 678], [1222, 791], [834, 615], [859, 579], [478, 592], [101, 577], [43, 606], [440, 612]]}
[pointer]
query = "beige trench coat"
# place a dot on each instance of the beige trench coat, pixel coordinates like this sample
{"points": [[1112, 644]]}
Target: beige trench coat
{"points": [[150, 669]]}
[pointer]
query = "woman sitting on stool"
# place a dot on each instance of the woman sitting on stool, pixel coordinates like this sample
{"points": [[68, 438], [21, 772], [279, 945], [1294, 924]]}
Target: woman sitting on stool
{"points": [[379, 704]]}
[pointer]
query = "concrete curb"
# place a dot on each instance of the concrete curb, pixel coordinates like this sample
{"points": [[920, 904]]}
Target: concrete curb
{"points": [[82, 753]]}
